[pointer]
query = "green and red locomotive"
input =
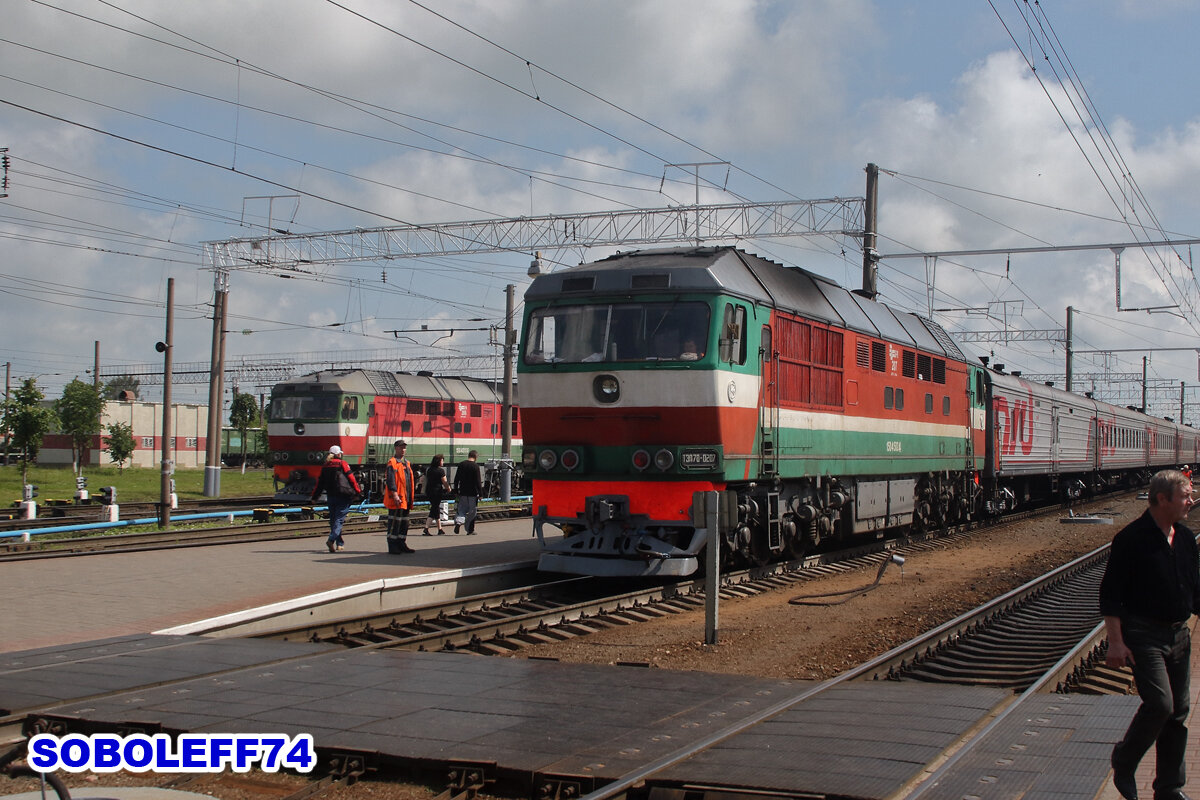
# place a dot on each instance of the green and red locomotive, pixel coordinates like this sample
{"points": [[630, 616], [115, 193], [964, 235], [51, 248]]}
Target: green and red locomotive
{"points": [[820, 415], [365, 411]]}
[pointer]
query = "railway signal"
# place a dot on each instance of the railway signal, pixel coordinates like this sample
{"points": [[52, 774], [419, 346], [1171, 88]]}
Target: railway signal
{"points": [[111, 511], [28, 507]]}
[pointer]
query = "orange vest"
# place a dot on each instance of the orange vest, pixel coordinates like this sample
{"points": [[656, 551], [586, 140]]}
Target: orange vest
{"points": [[399, 482]]}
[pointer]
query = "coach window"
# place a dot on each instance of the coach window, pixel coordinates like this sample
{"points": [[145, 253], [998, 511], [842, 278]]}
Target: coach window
{"points": [[899, 399], [889, 397], [928, 403], [405, 425], [458, 427], [945, 406], [427, 427]]}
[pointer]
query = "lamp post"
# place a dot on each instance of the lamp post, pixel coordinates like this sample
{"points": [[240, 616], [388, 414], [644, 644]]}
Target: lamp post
{"points": [[167, 465]]}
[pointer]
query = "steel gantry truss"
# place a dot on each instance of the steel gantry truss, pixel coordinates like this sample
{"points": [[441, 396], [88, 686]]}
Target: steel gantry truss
{"points": [[735, 221], [284, 252], [265, 371]]}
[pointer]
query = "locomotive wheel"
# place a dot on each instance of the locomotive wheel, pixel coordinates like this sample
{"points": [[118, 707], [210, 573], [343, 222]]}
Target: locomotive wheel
{"points": [[759, 551], [795, 543]]}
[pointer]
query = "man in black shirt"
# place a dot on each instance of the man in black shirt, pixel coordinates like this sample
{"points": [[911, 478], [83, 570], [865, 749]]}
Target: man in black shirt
{"points": [[468, 484], [1150, 589]]}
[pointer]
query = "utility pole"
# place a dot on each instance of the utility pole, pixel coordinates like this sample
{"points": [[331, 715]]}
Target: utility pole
{"points": [[870, 254], [506, 413], [96, 367], [1145, 359], [1182, 386], [7, 386], [167, 466], [216, 389], [1070, 353]]}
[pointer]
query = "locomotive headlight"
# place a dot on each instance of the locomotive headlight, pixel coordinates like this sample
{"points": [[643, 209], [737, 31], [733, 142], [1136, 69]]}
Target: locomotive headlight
{"points": [[663, 459], [641, 460], [570, 459], [547, 460], [606, 388]]}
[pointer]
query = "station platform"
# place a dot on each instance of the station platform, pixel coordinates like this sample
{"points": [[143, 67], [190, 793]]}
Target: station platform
{"points": [[56, 601], [75, 644]]}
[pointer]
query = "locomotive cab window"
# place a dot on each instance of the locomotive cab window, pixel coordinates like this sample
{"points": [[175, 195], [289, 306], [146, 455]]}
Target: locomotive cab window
{"points": [[673, 330], [350, 408], [303, 407], [733, 334]]}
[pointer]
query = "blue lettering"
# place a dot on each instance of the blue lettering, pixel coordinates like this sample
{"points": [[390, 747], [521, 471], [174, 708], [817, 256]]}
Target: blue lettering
{"points": [[220, 749], [273, 745], [300, 757], [138, 752], [108, 753], [163, 757], [193, 753], [44, 750], [75, 752], [247, 753]]}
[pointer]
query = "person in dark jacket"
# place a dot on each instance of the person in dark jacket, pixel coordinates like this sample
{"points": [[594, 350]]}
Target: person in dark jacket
{"points": [[436, 488], [1150, 589], [468, 482], [339, 494]]}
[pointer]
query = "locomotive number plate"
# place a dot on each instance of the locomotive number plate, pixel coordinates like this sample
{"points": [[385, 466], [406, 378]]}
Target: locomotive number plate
{"points": [[698, 459]]}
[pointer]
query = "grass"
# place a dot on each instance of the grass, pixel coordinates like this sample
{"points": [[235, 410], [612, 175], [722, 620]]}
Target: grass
{"points": [[134, 484]]}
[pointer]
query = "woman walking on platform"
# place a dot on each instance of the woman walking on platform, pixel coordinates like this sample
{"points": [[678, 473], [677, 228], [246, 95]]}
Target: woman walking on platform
{"points": [[436, 489]]}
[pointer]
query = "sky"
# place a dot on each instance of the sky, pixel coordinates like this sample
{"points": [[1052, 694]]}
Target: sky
{"points": [[138, 130]]}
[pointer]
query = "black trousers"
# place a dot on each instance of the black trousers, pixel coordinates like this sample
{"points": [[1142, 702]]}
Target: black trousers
{"points": [[397, 529], [1162, 669]]}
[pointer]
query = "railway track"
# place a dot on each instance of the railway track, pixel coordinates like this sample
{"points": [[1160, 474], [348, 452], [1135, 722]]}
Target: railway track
{"points": [[1042, 619], [63, 513], [503, 622], [271, 527]]}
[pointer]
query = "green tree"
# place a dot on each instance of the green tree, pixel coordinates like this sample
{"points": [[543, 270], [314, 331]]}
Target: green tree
{"points": [[28, 422], [79, 411], [121, 443], [121, 383], [243, 414]]}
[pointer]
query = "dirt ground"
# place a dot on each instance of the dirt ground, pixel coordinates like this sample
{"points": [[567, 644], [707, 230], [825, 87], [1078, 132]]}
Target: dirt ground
{"points": [[768, 637], [765, 635]]}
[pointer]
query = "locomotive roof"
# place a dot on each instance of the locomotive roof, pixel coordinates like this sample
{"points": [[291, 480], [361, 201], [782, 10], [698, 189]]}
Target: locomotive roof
{"points": [[734, 271], [396, 384]]}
